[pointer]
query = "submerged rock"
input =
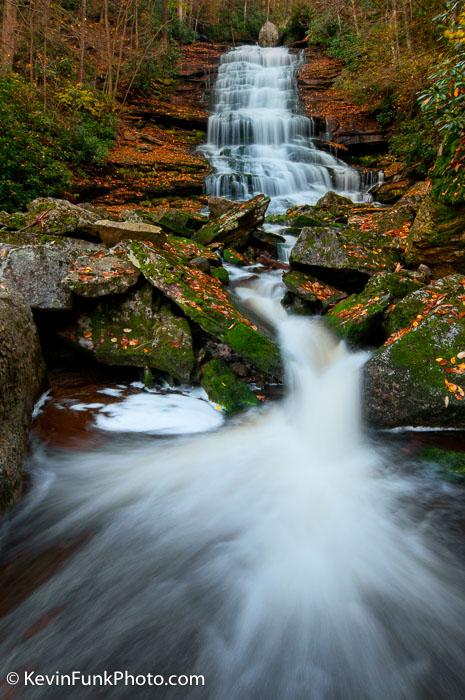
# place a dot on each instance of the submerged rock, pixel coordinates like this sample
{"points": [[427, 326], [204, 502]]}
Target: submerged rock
{"points": [[418, 376], [203, 300], [38, 271], [360, 318], [22, 372], [135, 330], [234, 227], [101, 273], [224, 388]]}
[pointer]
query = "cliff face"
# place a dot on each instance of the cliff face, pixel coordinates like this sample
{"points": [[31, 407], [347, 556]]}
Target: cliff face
{"points": [[338, 119]]}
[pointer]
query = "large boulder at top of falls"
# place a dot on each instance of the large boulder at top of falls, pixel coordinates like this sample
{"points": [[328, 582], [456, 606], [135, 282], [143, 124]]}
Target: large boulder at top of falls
{"points": [[234, 227], [38, 270], [268, 35], [22, 373], [437, 237], [138, 329], [418, 376], [203, 299]]}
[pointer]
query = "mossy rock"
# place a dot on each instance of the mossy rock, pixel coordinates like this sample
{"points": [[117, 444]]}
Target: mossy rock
{"points": [[137, 331], [178, 222], [450, 462], [319, 296], [225, 389], [233, 257], [58, 217], [204, 300], [234, 227], [12, 222], [437, 237], [221, 274], [418, 376], [345, 258], [360, 319]]}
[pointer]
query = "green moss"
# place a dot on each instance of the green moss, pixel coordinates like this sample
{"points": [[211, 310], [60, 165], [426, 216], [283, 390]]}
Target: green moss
{"points": [[234, 258], [223, 387], [221, 274]]}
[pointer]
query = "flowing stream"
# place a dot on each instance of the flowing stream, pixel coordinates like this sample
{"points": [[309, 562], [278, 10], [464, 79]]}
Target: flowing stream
{"points": [[283, 554]]}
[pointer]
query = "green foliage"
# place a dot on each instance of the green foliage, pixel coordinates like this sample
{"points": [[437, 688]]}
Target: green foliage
{"points": [[348, 48], [414, 141], [38, 147], [444, 103]]}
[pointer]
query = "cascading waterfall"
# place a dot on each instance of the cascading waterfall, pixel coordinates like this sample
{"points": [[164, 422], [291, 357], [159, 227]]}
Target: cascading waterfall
{"points": [[281, 555], [259, 143]]}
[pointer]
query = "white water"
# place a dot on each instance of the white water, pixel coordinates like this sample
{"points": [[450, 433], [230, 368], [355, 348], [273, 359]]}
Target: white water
{"points": [[282, 555], [259, 143]]}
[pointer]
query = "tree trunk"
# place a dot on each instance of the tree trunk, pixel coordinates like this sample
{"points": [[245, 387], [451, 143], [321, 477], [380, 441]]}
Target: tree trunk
{"points": [[8, 45], [83, 41]]}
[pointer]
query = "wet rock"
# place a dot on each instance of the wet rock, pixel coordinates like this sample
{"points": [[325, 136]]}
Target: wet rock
{"points": [[450, 462], [113, 232], [203, 300], [268, 35], [334, 204], [135, 330], [360, 318], [437, 236], [38, 271], [22, 373], [201, 263], [179, 222], [418, 376], [234, 227], [318, 295], [101, 273], [267, 240], [224, 388], [391, 191]]}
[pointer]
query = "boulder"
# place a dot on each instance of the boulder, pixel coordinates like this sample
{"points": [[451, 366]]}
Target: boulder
{"points": [[58, 217], [224, 388], [135, 330], [113, 232], [234, 227], [204, 300], [101, 273], [178, 222], [343, 257], [218, 206], [38, 270], [268, 35], [418, 376], [437, 237], [316, 294], [22, 373], [360, 319]]}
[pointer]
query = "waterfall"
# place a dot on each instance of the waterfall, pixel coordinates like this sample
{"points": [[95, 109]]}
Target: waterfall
{"points": [[258, 142]]}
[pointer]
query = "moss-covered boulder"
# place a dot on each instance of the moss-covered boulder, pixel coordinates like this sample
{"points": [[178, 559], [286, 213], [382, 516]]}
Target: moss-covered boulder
{"points": [[437, 236], [136, 330], [22, 372], [234, 227], [344, 257], [316, 294], [218, 206], [38, 271], [178, 221], [418, 376], [204, 300], [360, 318], [58, 217], [101, 273], [224, 388]]}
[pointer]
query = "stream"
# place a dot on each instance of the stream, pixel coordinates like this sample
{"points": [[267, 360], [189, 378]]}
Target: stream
{"points": [[283, 554]]}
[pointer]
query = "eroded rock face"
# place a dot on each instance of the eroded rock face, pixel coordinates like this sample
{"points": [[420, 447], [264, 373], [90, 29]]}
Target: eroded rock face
{"points": [[136, 330], [22, 372], [418, 376], [203, 299], [234, 227], [437, 237], [268, 35], [38, 270]]}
